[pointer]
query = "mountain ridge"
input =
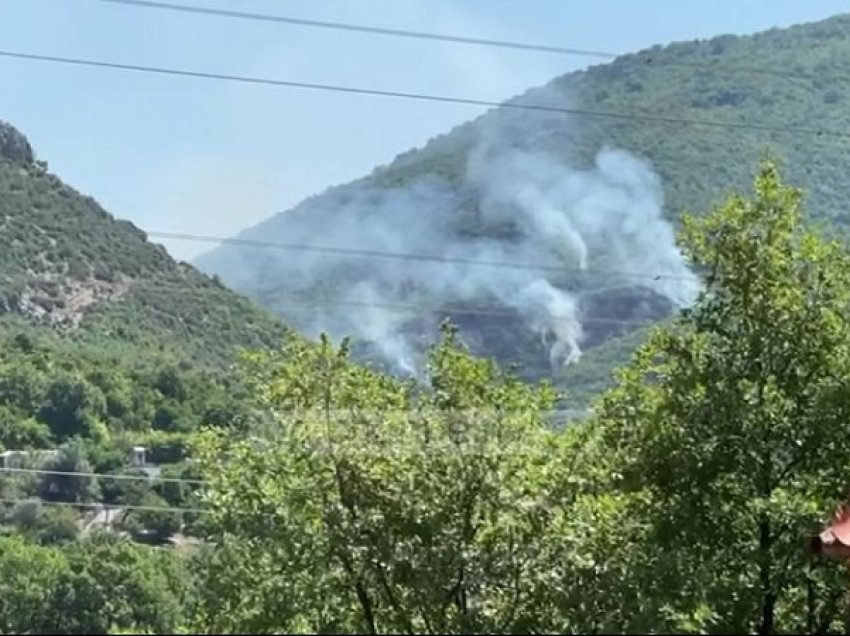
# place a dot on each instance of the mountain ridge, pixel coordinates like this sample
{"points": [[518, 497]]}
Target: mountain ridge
{"points": [[71, 266], [736, 79]]}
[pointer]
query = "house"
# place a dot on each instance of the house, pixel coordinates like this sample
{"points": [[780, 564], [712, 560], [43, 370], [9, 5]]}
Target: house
{"points": [[137, 456], [11, 459], [138, 460]]}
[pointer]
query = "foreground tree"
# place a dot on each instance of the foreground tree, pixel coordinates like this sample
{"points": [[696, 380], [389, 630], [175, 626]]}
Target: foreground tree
{"points": [[683, 505], [380, 507], [93, 586], [733, 423]]}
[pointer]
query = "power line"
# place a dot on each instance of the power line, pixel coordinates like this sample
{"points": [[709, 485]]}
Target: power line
{"points": [[362, 28], [111, 476], [658, 119], [422, 35], [101, 506], [440, 309], [434, 308], [407, 256], [473, 311], [449, 448]]}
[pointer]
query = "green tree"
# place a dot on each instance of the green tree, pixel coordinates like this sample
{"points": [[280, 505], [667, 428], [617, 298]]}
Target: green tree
{"points": [[76, 484], [382, 507], [131, 491], [169, 382], [56, 525], [18, 431], [91, 587], [72, 406], [155, 521], [112, 582], [28, 584], [183, 494], [21, 385], [731, 424]]}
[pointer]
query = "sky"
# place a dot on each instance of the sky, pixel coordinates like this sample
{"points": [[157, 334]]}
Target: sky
{"points": [[174, 154]]}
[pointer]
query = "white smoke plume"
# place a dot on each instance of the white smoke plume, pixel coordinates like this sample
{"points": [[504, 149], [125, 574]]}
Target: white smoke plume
{"points": [[519, 201]]}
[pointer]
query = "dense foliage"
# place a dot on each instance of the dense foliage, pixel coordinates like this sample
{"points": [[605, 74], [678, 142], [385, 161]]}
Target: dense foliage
{"points": [[106, 343], [84, 409], [683, 504], [100, 585], [361, 503], [67, 264], [722, 79], [327, 497]]}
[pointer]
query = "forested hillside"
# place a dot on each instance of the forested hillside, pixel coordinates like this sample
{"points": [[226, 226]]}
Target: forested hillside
{"points": [[68, 264], [106, 344], [684, 504], [155, 481], [485, 191], [794, 78]]}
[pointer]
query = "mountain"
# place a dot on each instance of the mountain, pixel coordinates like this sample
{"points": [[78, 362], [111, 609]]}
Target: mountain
{"points": [[578, 211], [105, 340], [68, 265]]}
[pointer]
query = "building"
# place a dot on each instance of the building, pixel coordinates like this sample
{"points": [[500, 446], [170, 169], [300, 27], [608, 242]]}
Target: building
{"points": [[137, 456], [138, 460], [12, 459], [834, 541]]}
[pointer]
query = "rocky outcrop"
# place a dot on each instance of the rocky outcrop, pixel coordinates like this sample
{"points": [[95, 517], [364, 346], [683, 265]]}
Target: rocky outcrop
{"points": [[14, 146]]}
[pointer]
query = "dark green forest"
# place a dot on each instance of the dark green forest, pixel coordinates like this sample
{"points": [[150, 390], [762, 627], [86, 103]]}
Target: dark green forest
{"points": [[289, 488]]}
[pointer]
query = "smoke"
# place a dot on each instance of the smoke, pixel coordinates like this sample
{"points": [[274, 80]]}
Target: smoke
{"points": [[518, 201]]}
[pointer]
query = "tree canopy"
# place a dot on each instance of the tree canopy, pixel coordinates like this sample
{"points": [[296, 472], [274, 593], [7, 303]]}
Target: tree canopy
{"points": [[351, 502], [451, 505]]}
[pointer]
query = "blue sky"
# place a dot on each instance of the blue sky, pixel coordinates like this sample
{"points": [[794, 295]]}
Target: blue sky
{"points": [[183, 155]]}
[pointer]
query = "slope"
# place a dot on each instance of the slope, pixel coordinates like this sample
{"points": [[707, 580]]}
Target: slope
{"points": [[68, 265], [106, 344], [518, 185], [103, 336]]}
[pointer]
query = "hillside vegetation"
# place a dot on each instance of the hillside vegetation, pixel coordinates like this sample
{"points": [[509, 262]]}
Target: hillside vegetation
{"points": [[682, 504], [69, 265], [805, 86], [106, 343], [299, 491]]}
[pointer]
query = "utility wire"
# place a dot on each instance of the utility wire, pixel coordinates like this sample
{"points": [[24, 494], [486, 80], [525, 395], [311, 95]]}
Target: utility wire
{"points": [[111, 476], [397, 306], [450, 448], [361, 28], [473, 311], [447, 309], [100, 506], [634, 117], [407, 256], [422, 35], [287, 301]]}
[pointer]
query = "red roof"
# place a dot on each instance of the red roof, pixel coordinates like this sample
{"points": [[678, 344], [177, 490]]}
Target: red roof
{"points": [[840, 528]]}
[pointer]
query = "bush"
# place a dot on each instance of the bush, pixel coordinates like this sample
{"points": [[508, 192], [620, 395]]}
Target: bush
{"points": [[130, 492], [153, 525], [56, 525], [70, 488], [20, 432], [71, 407], [164, 448]]}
